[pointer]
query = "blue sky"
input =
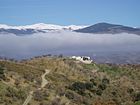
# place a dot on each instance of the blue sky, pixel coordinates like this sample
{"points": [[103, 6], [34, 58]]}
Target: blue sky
{"points": [[66, 12]]}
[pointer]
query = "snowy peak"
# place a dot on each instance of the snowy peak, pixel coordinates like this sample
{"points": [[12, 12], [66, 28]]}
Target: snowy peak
{"points": [[5, 26], [42, 26], [36, 28]]}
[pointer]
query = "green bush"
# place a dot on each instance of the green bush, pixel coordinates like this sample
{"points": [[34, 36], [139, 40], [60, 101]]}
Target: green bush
{"points": [[78, 86], [15, 94], [11, 92], [137, 103]]}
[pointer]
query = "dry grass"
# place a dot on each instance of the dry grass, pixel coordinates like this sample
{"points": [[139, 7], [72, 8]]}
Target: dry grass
{"points": [[65, 78]]}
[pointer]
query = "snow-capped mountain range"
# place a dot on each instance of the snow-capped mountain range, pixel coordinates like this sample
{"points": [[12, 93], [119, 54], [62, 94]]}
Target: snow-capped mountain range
{"points": [[99, 28], [36, 28], [42, 26]]}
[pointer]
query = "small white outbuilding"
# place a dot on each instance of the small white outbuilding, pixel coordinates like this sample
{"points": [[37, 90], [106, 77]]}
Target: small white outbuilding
{"points": [[84, 59]]}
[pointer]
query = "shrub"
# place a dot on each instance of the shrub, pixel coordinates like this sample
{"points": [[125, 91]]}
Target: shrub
{"points": [[93, 82], [78, 86], [137, 97], [21, 94], [11, 92], [99, 92], [130, 90], [1, 72], [114, 93], [16, 94], [137, 103], [102, 86], [38, 96], [89, 85], [105, 81], [69, 95]]}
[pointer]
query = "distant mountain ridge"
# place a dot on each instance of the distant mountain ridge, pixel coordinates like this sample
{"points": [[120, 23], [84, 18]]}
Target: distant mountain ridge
{"points": [[35, 28], [106, 28], [99, 28]]}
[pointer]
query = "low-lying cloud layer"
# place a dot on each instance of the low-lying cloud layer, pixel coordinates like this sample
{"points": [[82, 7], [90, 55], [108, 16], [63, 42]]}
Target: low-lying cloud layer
{"points": [[66, 43]]}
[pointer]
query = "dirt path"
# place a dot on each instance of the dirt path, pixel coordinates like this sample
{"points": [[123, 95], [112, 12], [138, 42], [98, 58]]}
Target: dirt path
{"points": [[44, 81], [28, 99], [43, 84]]}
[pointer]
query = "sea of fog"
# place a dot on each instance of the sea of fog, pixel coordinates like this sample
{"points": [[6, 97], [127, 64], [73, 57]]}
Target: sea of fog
{"points": [[103, 48]]}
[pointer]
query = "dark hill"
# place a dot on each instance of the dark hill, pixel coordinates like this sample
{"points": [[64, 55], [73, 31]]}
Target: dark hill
{"points": [[106, 28]]}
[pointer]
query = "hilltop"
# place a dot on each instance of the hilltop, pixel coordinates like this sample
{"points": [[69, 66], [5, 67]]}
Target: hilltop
{"points": [[107, 28], [69, 82]]}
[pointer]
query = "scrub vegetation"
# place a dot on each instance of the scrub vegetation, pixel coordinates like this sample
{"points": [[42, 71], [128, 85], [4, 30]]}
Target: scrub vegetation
{"points": [[69, 82]]}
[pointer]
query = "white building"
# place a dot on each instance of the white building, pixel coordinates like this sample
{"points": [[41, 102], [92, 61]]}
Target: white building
{"points": [[84, 59]]}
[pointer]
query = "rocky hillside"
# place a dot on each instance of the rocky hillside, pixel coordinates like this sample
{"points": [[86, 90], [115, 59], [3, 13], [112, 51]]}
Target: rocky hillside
{"points": [[69, 82]]}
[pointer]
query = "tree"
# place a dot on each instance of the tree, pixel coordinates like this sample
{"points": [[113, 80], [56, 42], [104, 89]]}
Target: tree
{"points": [[60, 56], [79, 87]]}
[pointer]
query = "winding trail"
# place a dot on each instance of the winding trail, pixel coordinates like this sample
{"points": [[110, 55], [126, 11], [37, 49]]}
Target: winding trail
{"points": [[44, 81], [43, 84], [28, 98]]}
